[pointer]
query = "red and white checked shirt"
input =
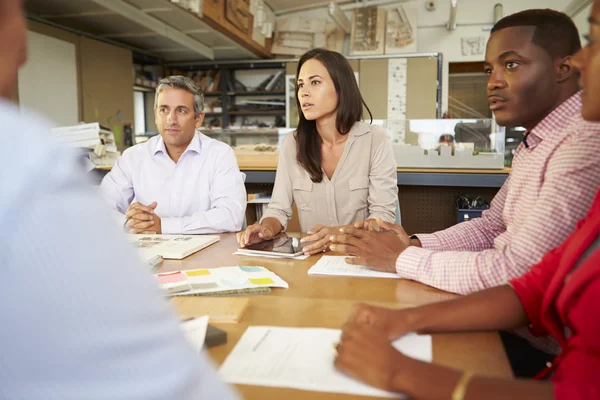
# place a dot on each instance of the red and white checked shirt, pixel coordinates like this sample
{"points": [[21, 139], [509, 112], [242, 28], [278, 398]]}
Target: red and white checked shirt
{"points": [[550, 188]]}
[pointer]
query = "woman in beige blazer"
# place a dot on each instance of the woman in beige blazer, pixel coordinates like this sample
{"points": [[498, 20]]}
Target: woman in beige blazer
{"points": [[336, 168]]}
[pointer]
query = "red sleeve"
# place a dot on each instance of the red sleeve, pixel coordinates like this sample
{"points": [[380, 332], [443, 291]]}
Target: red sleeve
{"points": [[530, 288], [577, 391], [578, 373]]}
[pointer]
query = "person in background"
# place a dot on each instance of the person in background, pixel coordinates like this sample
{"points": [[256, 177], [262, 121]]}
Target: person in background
{"points": [[554, 176], [336, 168], [181, 181], [559, 296], [82, 317]]}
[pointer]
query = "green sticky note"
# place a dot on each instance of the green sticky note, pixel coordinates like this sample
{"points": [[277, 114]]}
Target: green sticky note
{"points": [[262, 281], [251, 269], [198, 272]]}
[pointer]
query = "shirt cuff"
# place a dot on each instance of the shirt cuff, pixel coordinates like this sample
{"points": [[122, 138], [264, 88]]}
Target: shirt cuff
{"points": [[282, 220], [411, 261], [430, 241], [170, 226]]}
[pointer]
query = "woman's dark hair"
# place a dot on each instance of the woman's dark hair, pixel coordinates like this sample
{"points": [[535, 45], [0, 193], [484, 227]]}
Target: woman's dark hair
{"points": [[349, 109]]}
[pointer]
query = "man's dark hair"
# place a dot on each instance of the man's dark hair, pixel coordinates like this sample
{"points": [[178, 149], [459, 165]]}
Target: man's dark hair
{"points": [[555, 32]]}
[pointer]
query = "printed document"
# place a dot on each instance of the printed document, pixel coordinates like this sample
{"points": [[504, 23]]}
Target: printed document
{"points": [[302, 358], [337, 265]]}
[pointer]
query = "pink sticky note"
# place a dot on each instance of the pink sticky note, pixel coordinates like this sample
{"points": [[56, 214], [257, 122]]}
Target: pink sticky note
{"points": [[173, 277]]}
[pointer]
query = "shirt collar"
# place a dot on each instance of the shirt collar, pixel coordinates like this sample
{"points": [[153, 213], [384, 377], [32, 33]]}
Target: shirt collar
{"points": [[559, 116], [358, 129], [195, 145]]}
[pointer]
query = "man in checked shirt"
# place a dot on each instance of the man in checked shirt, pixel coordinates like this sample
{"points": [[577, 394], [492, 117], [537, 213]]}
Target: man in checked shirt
{"points": [[555, 174]]}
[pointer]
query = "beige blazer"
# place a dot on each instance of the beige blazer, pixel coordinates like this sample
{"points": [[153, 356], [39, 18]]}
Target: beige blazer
{"points": [[364, 184]]}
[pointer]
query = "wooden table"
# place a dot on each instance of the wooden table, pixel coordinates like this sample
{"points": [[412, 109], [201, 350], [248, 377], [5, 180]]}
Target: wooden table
{"points": [[323, 301]]}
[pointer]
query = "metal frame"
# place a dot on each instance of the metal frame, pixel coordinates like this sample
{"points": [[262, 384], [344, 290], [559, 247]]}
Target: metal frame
{"points": [[290, 60], [445, 179], [280, 63]]}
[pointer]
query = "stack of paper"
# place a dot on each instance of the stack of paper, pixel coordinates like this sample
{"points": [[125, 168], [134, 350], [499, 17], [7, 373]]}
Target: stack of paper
{"points": [[337, 266], [83, 135], [302, 358], [98, 141], [198, 281]]}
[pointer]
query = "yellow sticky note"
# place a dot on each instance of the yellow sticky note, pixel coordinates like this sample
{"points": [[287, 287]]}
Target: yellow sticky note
{"points": [[261, 281], [198, 272]]}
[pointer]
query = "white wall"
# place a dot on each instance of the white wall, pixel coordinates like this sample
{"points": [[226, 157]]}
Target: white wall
{"points": [[48, 81], [474, 18]]}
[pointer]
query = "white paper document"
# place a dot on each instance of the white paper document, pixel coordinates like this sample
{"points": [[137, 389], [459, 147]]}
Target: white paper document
{"points": [[248, 254], [337, 266], [195, 331], [302, 358]]}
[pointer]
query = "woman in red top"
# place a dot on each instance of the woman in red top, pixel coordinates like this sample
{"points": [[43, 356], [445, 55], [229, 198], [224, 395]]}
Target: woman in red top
{"points": [[560, 296]]}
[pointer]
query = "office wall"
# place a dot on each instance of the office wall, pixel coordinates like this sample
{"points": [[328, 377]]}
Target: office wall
{"points": [[48, 82], [479, 15], [474, 19], [103, 75], [106, 85]]}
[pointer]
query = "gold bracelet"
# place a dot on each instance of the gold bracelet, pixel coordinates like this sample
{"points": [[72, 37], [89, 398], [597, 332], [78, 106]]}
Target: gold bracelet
{"points": [[461, 387]]}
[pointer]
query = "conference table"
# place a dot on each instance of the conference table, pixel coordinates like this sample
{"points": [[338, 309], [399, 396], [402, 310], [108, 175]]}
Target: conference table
{"points": [[326, 302]]}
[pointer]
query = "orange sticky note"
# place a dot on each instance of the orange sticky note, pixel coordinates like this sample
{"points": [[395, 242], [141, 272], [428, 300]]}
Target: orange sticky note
{"points": [[262, 281], [198, 272]]}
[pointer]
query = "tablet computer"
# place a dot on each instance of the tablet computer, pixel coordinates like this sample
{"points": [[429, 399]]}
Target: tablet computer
{"points": [[282, 246]]}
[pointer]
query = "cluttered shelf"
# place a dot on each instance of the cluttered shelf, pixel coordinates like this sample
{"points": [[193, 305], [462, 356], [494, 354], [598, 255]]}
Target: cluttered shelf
{"points": [[258, 93], [263, 171], [248, 93], [257, 112]]}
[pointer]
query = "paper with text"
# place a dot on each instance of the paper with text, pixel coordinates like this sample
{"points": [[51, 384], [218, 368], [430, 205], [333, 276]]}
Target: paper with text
{"points": [[337, 265], [195, 331], [302, 358]]}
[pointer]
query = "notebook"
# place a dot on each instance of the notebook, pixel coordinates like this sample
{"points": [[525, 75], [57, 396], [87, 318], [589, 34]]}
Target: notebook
{"points": [[219, 309], [173, 247]]}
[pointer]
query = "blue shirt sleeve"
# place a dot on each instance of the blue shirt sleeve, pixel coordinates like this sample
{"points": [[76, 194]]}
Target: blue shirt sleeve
{"points": [[81, 315]]}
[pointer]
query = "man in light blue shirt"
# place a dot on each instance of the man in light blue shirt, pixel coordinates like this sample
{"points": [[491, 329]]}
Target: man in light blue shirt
{"points": [[81, 316], [180, 182]]}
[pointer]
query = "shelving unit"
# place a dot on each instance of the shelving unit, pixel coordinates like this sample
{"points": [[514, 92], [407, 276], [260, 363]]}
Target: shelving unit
{"points": [[231, 101]]}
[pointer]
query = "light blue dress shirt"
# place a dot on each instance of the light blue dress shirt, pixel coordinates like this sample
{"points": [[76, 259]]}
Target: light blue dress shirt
{"points": [[81, 316], [202, 193]]}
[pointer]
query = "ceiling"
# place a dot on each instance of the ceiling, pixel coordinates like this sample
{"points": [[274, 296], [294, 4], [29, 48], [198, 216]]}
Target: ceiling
{"points": [[157, 28], [285, 6]]}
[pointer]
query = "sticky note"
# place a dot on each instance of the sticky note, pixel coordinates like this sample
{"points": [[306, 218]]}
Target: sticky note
{"points": [[262, 281], [198, 272], [171, 278], [251, 269], [204, 286]]}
